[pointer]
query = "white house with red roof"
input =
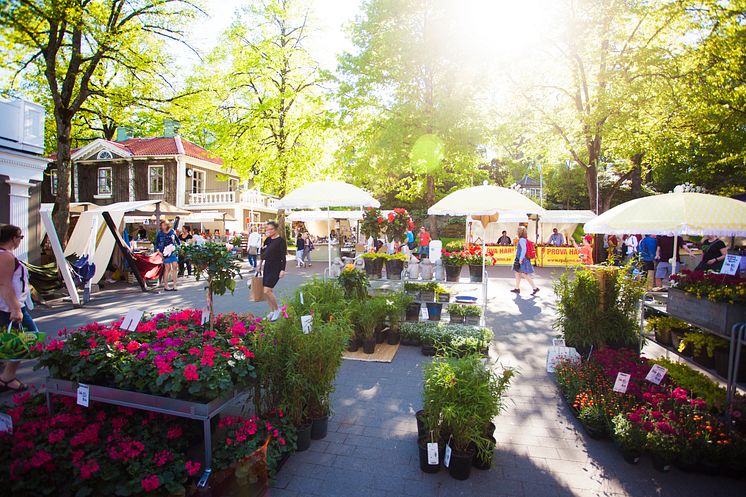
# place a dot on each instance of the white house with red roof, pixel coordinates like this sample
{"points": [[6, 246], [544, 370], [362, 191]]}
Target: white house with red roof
{"points": [[168, 168]]}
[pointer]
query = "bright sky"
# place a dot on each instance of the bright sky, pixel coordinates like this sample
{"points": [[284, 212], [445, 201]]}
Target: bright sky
{"points": [[329, 17]]}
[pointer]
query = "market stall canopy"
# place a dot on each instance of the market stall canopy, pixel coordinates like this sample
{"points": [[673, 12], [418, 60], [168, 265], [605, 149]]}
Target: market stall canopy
{"points": [[680, 213], [207, 217], [75, 207], [485, 200], [151, 207], [566, 217], [307, 216], [325, 195]]}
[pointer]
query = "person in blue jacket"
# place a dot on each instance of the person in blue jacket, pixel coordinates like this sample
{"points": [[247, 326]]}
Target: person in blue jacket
{"points": [[647, 248], [166, 242]]}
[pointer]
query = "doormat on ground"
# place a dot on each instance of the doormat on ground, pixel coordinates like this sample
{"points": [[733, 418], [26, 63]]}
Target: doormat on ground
{"points": [[383, 353]]}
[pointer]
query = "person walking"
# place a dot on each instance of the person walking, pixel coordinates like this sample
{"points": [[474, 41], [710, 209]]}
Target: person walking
{"points": [[308, 249], [410, 239], [648, 248], [166, 242], [185, 237], [522, 264], [424, 243], [14, 291], [300, 247], [274, 259], [253, 245]]}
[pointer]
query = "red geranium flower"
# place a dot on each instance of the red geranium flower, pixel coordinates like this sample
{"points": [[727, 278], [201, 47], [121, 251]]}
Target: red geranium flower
{"points": [[190, 373], [150, 483]]}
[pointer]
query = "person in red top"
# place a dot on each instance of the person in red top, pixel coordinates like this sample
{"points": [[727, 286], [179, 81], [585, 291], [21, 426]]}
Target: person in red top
{"points": [[424, 243]]}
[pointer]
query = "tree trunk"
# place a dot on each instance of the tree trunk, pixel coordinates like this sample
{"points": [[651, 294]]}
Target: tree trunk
{"points": [[61, 211], [636, 176], [430, 200], [591, 179]]}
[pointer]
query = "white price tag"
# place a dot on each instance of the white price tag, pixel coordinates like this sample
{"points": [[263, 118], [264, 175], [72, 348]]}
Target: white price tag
{"points": [[656, 374], [131, 320], [432, 453], [731, 264], [83, 395], [205, 316], [6, 424], [558, 342], [621, 383], [302, 302], [306, 322], [423, 313], [447, 455]]}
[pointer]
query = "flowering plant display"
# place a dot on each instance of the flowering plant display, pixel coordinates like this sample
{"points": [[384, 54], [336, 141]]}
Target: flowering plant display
{"points": [[354, 281], [172, 355], [99, 450], [372, 223], [711, 286], [453, 258], [397, 223]]}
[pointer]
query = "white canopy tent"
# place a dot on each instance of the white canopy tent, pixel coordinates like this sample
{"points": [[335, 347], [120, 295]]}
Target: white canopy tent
{"points": [[327, 195], [564, 220], [487, 204]]}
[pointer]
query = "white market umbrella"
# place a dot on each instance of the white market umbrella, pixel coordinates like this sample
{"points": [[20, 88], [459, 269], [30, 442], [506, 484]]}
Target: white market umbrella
{"points": [[674, 214], [484, 203], [325, 195]]}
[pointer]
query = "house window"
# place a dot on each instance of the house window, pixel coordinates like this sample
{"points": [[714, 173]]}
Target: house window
{"points": [[155, 179], [104, 181], [232, 185], [198, 181], [53, 180]]}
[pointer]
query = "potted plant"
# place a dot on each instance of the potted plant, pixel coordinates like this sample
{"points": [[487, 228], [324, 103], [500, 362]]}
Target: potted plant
{"points": [[413, 289], [373, 264], [372, 223], [471, 314], [397, 223], [630, 437], [427, 291], [663, 446], [662, 327], [453, 262], [354, 282], [395, 265], [703, 346], [434, 310], [213, 262], [442, 294], [456, 313], [413, 311], [396, 305], [367, 314], [411, 333]]}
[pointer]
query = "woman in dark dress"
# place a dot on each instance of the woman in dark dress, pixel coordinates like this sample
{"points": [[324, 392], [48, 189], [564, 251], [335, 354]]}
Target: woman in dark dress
{"points": [[273, 262]]}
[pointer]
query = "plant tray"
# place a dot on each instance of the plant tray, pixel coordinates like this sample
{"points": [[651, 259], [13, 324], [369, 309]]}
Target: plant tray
{"points": [[144, 401], [718, 317]]}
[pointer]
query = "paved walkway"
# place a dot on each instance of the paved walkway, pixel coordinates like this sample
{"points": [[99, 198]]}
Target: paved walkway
{"points": [[371, 447]]}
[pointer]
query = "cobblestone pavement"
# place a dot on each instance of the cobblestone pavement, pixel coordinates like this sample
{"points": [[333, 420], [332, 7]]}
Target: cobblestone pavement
{"points": [[371, 447]]}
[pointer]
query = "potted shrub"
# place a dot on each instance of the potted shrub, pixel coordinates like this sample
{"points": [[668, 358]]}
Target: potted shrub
{"points": [[411, 334], [372, 223], [630, 437], [662, 327], [397, 223], [703, 346], [456, 313], [471, 313], [413, 311], [396, 305], [368, 315], [427, 291], [413, 289], [453, 262], [442, 294], [434, 310], [373, 264], [395, 266], [354, 282]]}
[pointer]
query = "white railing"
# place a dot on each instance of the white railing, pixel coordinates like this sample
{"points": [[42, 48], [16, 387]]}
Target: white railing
{"points": [[212, 198], [253, 198]]}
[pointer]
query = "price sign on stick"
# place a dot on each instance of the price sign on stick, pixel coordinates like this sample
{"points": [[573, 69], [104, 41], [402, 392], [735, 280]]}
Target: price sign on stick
{"points": [[731, 264], [131, 320], [306, 322], [621, 383], [558, 342], [83, 395], [447, 455], [656, 374], [6, 424], [205, 315]]}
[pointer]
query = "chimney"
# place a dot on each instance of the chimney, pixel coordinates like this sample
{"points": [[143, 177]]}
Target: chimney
{"points": [[170, 127], [123, 133]]}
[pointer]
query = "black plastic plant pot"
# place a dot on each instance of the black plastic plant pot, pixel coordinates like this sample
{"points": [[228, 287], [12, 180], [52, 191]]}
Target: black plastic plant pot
{"points": [[661, 464], [453, 273], [475, 273], [704, 360], [484, 463], [353, 344], [424, 466], [413, 311], [421, 426], [304, 437], [369, 345], [394, 268], [459, 467], [631, 456], [380, 336], [434, 310], [393, 337], [489, 430], [319, 427], [428, 350]]}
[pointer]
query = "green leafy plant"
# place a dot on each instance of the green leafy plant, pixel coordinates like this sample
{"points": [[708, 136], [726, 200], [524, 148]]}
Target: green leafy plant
{"points": [[368, 314], [372, 223], [320, 297], [375, 255], [702, 342], [697, 383], [666, 323], [630, 436], [213, 262], [354, 281], [454, 246], [598, 307], [397, 223], [396, 257], [464, 310]]}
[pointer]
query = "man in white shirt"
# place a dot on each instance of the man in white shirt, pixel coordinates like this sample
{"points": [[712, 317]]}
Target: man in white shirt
{"points": [[556, 239], [253, 246]]}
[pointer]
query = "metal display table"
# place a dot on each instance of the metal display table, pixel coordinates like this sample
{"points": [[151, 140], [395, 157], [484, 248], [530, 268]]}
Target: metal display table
{"points": [[153, 403], [736, 339]]}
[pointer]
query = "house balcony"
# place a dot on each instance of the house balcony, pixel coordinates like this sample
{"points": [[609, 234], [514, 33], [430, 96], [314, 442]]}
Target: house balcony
{"points": [[250, 199]]}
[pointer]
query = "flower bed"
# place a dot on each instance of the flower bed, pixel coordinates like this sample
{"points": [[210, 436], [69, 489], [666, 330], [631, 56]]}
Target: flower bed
{"points": [[454, 339], [171, 355], [105, 450], [664, 420]]}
